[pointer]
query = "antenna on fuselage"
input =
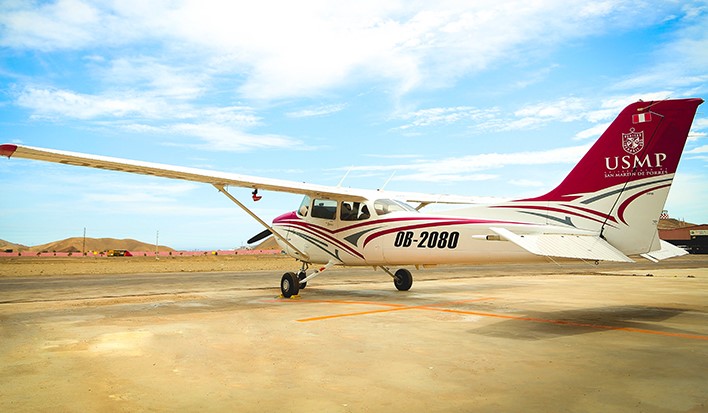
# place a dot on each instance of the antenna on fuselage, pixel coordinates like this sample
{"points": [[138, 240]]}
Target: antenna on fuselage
{"points": [[387, 181], [344, 177]]}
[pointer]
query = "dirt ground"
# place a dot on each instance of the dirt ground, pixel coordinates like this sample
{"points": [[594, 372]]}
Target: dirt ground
{"points": [[197, 334], [29, 266]]}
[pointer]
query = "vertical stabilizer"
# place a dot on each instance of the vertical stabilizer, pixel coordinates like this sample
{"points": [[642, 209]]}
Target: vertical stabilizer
{"points": [[620, 186]]}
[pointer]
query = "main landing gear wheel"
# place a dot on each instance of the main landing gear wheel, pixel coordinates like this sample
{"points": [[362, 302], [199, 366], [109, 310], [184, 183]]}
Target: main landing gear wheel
{"points": [[403, 280], [289, 284]]}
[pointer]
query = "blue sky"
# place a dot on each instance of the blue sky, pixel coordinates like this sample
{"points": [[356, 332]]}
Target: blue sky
{"points": [[490, 98]]}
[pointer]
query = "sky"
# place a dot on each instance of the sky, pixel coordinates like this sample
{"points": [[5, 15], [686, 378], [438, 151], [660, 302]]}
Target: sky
{"points": [[484, 98]]}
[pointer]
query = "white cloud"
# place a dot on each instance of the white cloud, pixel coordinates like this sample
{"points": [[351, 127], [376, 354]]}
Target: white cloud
{"points": [[592, 132], [682, 60], [317, 111], [147, 74], [281, 49], [437, 176], [562, 110], [467, 168], [219, 137], [392, 156], [700, 149], [219, 128], [527, 183], [445, 116], [52, 103]]}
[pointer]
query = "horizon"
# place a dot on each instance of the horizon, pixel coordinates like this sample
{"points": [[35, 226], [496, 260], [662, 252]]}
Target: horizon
{"points": [[5, 243], [494, 99]]}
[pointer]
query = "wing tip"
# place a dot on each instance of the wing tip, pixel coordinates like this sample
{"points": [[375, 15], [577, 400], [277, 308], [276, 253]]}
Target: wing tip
{"points": [[7, 149]]}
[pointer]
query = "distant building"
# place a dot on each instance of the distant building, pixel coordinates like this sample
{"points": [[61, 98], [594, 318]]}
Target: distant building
{"points": [[692, 238]]}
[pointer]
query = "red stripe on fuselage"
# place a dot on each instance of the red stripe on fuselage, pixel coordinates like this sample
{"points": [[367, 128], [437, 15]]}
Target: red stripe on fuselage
{"points": [[625, 204], [550, 209], [292, 220]]}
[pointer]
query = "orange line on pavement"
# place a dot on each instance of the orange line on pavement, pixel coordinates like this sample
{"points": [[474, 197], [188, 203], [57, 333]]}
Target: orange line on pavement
{"points": [[398, 307], [435, 307]]}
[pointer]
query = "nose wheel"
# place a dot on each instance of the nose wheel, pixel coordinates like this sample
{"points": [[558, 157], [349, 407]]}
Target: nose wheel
{"points": [[289, 284], [403, 280]]}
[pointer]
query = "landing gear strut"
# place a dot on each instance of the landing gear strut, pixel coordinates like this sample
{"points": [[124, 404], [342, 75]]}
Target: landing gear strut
{"points": [[301, 276], [292, 283]]}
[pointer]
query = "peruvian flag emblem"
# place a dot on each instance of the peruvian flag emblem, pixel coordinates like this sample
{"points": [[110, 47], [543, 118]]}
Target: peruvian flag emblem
{"points": [[641, 118]]}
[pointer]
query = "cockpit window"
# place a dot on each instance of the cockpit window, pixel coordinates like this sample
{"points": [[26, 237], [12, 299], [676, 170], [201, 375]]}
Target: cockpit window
{"points": [[304, 206], [354, 211], [385, 206], [324, 208]]}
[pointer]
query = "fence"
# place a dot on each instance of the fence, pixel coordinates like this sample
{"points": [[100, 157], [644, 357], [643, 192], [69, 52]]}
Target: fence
{"points": [[141, 253]]}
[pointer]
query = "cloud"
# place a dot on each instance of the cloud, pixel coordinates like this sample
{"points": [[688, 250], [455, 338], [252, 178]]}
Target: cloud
{"points": [[219, 128], [563, 110], [275, 49], [219, 137], [392, 156], [468, 168], [526, 183], [317, 111], [700, 149], [441, 116], [681, 61], [54, 103], [533, 115], [592, 132]]}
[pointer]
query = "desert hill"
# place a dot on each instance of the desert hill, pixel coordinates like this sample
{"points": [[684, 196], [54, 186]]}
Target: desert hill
{"points": [[672, 223], [269, 244], [7, 245], [76, 244]]}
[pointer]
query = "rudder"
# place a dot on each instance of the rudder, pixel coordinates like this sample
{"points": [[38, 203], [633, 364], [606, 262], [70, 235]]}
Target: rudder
{"points": [[621, 184]]}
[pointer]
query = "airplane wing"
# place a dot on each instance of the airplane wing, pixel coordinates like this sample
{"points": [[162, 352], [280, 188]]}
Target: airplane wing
{"points": [[173, 172], [582, 246], [218, 178]]}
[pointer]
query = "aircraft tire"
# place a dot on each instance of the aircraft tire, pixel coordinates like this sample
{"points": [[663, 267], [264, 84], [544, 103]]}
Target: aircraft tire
{"points": [[403, 280], [301, 276], [289, 285]]}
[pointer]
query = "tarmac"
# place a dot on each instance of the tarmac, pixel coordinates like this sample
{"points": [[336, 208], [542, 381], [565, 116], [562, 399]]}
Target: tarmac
{"points": [[494, 338]]}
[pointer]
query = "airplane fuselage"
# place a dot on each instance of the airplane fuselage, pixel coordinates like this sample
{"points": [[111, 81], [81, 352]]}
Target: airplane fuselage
{"points": [[399, 237]]}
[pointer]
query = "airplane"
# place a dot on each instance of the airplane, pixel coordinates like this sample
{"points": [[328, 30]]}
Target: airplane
{"points": [[606, 209]]}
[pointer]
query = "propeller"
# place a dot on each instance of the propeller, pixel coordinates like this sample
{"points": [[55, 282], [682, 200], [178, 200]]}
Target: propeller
{"points": [[261, 235]]}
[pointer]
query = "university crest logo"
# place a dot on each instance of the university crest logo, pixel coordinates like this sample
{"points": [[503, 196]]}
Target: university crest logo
{"points": [[633, 142]]}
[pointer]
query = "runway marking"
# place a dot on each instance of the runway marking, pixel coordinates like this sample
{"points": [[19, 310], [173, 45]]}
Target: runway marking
{"points": [[436, 307], [396, 307]]}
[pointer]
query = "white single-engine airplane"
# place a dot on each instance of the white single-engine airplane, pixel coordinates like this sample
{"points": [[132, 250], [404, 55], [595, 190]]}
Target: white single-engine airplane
{"points": [[606, 209]]}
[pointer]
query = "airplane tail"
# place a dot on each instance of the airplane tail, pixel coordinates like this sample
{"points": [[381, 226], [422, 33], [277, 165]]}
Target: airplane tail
{"points": [[620, 186]]}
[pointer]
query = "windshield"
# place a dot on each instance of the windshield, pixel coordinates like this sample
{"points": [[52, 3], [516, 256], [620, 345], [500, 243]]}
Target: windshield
{"points": [[385, 206], [304, 206]]}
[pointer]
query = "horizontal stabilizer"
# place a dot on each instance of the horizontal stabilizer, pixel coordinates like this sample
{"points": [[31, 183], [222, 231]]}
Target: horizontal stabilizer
{"points": [[587, 247], [667, 250]]}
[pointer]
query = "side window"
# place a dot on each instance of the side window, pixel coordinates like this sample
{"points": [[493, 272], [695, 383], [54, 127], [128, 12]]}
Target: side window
{"points": [[324, 208], [354, 211], [384, 206]]}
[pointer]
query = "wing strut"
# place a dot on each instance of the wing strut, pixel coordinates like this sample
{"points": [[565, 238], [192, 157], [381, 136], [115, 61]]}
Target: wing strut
{"points": [[222, 189]]}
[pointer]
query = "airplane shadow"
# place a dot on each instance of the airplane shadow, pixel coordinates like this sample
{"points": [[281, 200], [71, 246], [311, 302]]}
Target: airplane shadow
{"points": [[548, 325]]}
